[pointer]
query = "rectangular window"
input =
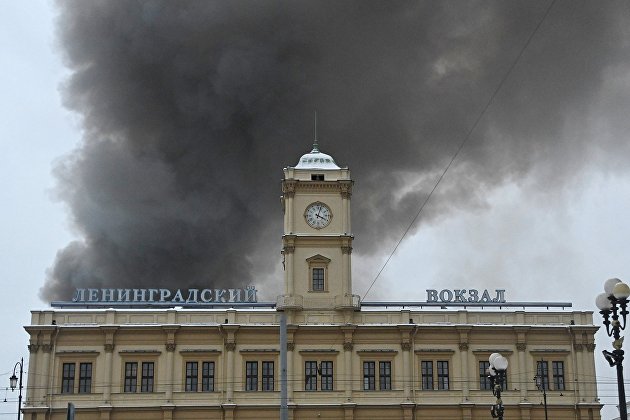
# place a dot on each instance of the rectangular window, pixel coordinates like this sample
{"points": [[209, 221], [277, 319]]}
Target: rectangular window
{"points": [[267, 376], [542, 373], [310, 376], [426, 369], [442, 374], [484, 381], [558, 375], [385, 375], [131, 376], [207, 377], [67, 378], [251, 376], [327, 375], [191, 376], [369, 376], [85, 378], [317, 177], [318, 279], [147, 377]]}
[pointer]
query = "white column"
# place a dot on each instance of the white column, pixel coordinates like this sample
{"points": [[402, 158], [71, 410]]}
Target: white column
{"points": [[170, 349], [522, 376], [45, 375], [347, 353], [107, 391], [31, 382], [463, 352], [230, 370], [406, 348]]}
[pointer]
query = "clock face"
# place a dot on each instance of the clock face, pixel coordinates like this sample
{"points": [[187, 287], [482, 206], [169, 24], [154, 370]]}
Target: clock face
{"points": [[318, 215]]}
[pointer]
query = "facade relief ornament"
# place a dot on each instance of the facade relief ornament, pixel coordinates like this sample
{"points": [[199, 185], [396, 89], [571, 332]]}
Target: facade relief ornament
{"points": [[346, 249], [406, 346], [32, 348], [47, 348], [109, 347], [348, 346], [230, 346], [463, 346], [521, 346], [170, 346], [289, 249], [290, 346], [590, 347], [578, 347], [288, 188]]}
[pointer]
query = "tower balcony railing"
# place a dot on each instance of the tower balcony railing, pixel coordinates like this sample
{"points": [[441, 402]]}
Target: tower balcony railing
{"points": [[289, 302], [348, 301]]}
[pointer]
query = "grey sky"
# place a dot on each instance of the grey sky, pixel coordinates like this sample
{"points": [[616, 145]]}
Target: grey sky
{"points": [[536, 204]]}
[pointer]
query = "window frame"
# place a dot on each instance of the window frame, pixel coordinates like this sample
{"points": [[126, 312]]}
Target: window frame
{"points": [[327, 375], [205, 383], [483, 376], [558, 379], [146, 372], [431, 376], [266, 377], [79, 384], [443, 384], [85, 381], [251, 375], [550, 374], [68, 377], [263, 359], [318, 262], [325, 369]]}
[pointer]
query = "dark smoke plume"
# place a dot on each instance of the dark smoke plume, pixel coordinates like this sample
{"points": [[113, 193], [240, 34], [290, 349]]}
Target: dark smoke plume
{"points": [[191, 108]]}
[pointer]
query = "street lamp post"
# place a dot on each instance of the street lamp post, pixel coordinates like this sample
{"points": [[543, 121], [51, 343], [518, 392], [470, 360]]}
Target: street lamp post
{"points": [[496, 374], [613, 305], [540, 380], [13, 382]]}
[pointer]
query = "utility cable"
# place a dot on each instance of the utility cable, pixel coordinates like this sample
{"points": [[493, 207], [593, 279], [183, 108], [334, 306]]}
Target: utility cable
{"points": [[461, 145]]}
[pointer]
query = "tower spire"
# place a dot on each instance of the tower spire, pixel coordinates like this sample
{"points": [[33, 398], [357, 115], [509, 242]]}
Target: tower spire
{"points": [[315, 145]]}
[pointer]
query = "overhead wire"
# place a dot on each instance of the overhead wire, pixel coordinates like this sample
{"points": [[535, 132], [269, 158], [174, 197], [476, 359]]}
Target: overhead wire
{"points": [[463, 142]]}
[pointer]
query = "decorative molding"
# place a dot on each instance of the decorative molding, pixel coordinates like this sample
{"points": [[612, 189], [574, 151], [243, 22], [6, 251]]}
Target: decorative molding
{"points": [[346, 189], [47, 348], [262, 351], [288, 188], [230, 346], [147, 352], [377, 352], [170, 346], [521, 346], [32, 348], [590, 347], [289, 249], [190, 352], [405, 345], [463, 346], [318, 351], [290, 346], [348, 346], [109, 347], [346, 249], [578, 347]]}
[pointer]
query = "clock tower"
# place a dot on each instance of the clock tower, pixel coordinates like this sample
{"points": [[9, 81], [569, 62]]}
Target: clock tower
{"points": [[317, 239]]}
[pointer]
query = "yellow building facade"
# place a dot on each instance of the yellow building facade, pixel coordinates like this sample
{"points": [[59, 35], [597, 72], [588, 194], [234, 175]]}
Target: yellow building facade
{"points": [[123, 354]]}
